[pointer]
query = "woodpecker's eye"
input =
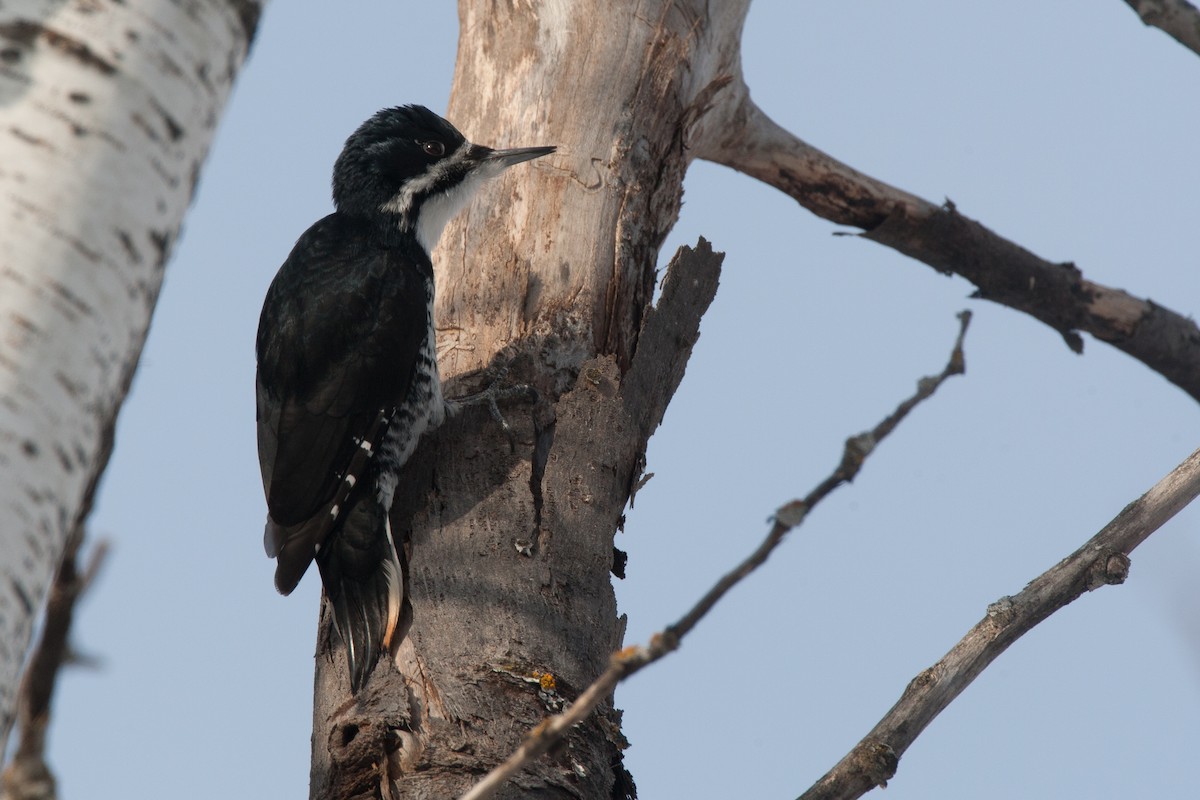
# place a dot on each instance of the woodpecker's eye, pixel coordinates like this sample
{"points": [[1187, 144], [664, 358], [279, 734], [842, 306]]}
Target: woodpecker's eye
{"points": [[433, 148]]}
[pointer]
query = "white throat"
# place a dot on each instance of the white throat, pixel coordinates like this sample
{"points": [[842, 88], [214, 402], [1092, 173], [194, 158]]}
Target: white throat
{"points": [[436, 211]]}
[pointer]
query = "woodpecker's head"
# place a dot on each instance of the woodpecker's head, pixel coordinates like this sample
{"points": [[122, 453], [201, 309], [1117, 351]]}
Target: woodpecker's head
{"points": [[409, 165]]}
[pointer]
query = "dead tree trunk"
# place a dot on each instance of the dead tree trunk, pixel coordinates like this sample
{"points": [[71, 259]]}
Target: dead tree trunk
{"points": [[510, 555], [108, 112]]}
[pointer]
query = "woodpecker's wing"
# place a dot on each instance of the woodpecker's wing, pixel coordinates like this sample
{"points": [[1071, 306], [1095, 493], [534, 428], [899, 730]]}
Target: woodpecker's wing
{"points": [[338, 340]]}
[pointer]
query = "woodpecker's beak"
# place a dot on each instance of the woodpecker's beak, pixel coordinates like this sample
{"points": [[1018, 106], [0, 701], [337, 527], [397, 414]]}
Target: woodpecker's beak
{"points": [[506, 158]]}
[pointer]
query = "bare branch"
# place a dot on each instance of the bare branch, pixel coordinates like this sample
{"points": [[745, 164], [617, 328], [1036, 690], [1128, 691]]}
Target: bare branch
{"points": [[28, 776], [1102, 560], [1178, 18], [631, 659], [746, 139]]}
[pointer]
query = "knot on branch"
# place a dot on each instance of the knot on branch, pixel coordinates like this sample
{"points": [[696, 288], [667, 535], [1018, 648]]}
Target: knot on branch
{"points": [[856, 451], [1109, 569], [1002, 612], [664, 641], [925, 679], [791, 514], [875, 760]]}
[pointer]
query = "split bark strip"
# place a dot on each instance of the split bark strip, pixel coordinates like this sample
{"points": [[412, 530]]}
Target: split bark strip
{"points": [[742, 137], [1179, 19], [629, 660], [403, 735], [28, 776], [1102, 560]]}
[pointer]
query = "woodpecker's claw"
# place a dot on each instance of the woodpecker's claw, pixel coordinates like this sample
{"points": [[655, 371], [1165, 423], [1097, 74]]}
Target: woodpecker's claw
{"points": [[519, 391], [493, 396]]}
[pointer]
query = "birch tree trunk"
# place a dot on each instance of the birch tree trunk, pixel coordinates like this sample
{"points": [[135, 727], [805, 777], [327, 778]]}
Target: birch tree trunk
{"points": [[108, 110]]}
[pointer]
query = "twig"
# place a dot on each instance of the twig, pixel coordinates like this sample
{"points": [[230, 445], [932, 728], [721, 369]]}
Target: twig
{"points": [[28, 776], [1178, 18], [631, 659], [1102, 560]]}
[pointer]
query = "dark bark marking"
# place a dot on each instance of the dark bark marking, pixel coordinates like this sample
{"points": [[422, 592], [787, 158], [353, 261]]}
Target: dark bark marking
{"points": [[174, 129], [29, 138], [26, 32]]}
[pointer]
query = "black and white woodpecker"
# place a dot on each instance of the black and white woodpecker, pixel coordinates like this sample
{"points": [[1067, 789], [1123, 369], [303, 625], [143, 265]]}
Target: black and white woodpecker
{"points": [[347, 365]]}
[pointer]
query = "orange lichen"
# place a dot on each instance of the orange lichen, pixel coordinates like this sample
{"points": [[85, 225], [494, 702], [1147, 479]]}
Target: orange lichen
{"points": [[546, 680]]}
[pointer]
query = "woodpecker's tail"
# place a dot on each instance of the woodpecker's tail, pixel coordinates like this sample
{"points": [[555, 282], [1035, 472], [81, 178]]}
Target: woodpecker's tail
{"points": [[363, 580]]}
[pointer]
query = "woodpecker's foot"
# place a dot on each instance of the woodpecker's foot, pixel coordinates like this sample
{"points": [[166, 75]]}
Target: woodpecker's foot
{"points": [[495, 394]]}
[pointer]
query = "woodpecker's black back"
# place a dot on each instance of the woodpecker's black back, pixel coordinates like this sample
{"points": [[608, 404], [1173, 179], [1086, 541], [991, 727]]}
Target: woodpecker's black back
{"points": [[338, 344], [338, 340], [347, 370]]}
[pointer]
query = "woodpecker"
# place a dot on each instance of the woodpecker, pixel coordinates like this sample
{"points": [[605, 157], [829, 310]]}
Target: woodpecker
{"points": [[347, 376]]}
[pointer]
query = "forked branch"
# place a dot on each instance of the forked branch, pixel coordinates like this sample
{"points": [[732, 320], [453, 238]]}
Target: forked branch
{"points": [[631, 659]]}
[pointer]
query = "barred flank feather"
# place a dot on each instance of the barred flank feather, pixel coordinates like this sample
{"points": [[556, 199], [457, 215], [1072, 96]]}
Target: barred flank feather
{"points": [[347, 377]]}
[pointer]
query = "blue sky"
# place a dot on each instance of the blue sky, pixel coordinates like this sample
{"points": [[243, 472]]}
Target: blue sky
{"points": [[1067, 127]]}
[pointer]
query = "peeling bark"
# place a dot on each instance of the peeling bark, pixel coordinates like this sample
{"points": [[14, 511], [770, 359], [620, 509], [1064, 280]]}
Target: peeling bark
{"points": [[511, 611]]}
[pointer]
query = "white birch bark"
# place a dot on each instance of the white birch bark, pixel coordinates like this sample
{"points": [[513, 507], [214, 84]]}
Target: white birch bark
{"points": [[106, 113]]}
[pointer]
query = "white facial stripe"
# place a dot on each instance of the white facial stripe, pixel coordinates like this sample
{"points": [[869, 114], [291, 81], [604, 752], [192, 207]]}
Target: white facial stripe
{"points": [[437, 211], [402, 203]]}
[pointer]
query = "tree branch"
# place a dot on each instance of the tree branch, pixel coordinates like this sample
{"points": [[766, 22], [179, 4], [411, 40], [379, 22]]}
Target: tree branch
{"points": [[28, 776], [1103, 559], [631, 659], [744, 138], [1178, 18]]}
